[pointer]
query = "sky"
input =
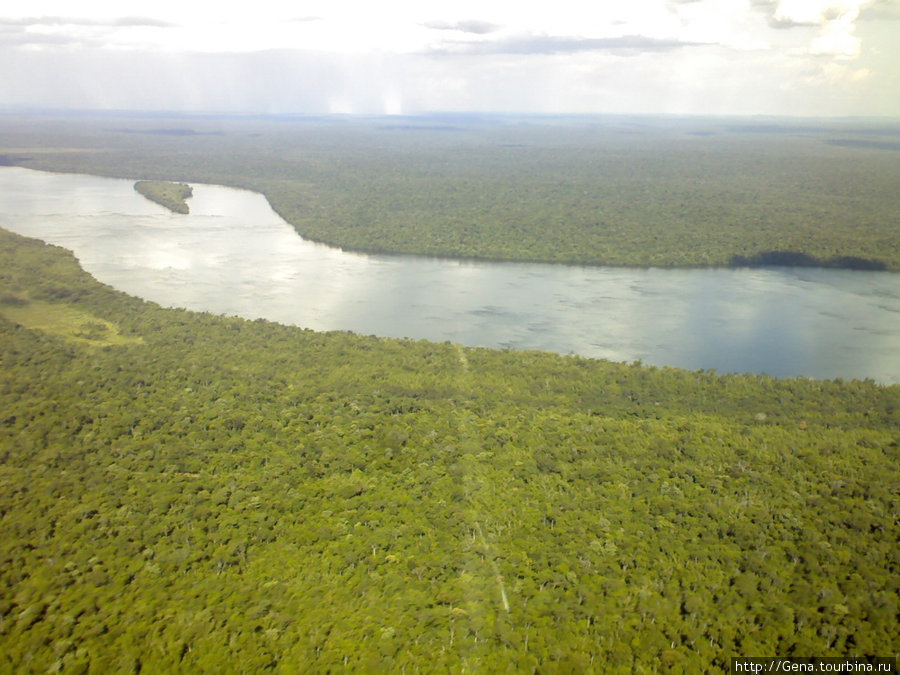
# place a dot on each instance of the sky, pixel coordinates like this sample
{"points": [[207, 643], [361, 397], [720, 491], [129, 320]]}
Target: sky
{"points": [[718, 57]]}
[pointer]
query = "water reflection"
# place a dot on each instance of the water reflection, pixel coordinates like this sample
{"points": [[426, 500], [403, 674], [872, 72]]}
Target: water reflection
{"points": [[234, 255]]}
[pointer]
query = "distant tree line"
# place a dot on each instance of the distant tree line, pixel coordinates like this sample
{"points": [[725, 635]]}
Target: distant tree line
{"points": [[644, 193]]}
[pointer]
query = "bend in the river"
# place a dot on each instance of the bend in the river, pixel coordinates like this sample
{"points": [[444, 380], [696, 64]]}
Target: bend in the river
{"points": [[234, 255]]}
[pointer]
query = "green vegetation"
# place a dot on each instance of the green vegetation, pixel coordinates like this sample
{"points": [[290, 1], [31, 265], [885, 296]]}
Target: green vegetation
{"points": [[170, 195], [61, 319], [186, 492], [601, 190], [214, 495]]}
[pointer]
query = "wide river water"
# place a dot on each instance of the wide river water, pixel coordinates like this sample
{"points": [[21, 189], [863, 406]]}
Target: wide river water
{"points": [[233, 255]]}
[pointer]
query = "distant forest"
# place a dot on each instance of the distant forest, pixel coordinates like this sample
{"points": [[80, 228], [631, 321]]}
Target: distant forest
{"points": [[639, 191]]}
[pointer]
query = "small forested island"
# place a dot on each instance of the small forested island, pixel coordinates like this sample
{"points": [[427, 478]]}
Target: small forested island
{"points": [[170, 195], [183, 492]]}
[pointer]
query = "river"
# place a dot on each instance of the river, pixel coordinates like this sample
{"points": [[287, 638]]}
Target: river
{"points": [[233, 255]]}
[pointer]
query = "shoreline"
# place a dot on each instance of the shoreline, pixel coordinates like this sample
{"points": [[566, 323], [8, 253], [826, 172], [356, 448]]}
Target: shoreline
{"points": [[759, 260]]}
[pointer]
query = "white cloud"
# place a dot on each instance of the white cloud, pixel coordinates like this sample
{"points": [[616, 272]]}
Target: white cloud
{"points": [[836, 20], [837, 38], [817, 12], [842, 75]]}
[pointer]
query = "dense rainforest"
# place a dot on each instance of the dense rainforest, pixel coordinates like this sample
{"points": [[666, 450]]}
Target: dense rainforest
{"points": [[604, 190], [188, 492], [195, 493]]}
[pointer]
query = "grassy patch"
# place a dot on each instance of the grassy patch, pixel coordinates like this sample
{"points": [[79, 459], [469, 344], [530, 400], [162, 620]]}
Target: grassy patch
{"points": [[62, 319]]}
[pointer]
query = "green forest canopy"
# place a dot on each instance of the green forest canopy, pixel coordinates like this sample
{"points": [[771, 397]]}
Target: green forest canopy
{"points": [[181, 491], [170, 195], [593, 190]]}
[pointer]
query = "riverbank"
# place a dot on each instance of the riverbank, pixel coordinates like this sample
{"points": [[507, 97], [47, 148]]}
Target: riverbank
{"points": [[233, 255], [646, 192]]}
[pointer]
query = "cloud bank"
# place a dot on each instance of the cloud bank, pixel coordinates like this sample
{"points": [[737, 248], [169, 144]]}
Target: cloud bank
{"points": [[818, 57]]}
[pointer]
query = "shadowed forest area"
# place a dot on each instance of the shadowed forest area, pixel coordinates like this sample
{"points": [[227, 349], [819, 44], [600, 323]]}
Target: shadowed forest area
{"points": [[588, 190], [187, 492]]}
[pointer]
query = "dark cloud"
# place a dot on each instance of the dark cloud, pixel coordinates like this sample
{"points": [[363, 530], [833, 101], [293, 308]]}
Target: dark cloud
{"points": [[72, 21], [549, 44], [18, 33], [20, 38], [140, 21], [785, 24], [769, 7], [473, 26]]}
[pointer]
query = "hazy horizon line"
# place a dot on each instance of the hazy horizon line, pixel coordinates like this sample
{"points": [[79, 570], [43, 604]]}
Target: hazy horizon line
{"points": [[154, 112]]}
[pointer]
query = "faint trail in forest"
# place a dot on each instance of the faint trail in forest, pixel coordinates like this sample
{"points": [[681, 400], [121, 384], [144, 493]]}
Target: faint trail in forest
{"points": [[496, 569], [487, 549], [463, 361]]}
